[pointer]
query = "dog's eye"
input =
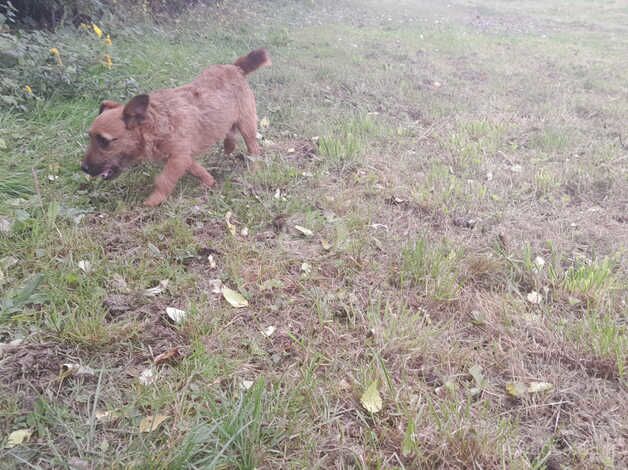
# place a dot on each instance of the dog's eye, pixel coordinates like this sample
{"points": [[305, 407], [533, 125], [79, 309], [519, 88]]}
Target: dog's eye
{"points": [[102, 142]]}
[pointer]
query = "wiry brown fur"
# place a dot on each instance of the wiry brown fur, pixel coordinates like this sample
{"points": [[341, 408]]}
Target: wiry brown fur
{"points": [[176, 125]]}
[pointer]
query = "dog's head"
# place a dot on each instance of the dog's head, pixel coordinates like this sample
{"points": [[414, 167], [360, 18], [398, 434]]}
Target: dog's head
{"points": [[115, 139]]}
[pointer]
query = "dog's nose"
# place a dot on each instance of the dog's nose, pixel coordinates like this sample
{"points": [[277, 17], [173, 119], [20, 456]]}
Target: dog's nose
{"points": [[85, 167]]}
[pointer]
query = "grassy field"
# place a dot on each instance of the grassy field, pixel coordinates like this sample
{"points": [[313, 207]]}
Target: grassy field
{"points": [[460, 169]]}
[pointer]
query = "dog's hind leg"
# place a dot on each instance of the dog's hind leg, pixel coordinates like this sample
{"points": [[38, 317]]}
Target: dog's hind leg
{"points": [[248, 128], [196, 169], [230, 142]]}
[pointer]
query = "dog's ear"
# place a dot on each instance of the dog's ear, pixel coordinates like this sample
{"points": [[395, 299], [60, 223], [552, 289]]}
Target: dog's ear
{"points": [[107, 104], [134, 111]]}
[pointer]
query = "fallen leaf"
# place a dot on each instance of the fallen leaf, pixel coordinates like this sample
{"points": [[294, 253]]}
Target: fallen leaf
{"points": [[5, 225], [304, 231], [230, 226], [271, 284], [85, 266], [170, 354], [264, 123], [154, 291], [75, 370], [8, 261], [234, 298], [516, 389], [147, 377], [306, 268], [18, 437], [536, 387], [106, 416], [409, 439], [476, 373], [212, 261], [378, 244], [326, 244], [175, 314], [76, 463], [371, 399], [10, 346], [154, 250], [534, 297], [151, 423], [268, 331], [120, 284], [246, 384], [216, 286], [477, 318]]}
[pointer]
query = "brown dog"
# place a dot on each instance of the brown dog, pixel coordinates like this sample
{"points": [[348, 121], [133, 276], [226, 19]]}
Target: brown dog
{"points": [[176, 125]]}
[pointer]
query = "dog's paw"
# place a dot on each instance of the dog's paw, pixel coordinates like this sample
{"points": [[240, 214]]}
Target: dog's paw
{"points": [[154, 200], [208, 181]]}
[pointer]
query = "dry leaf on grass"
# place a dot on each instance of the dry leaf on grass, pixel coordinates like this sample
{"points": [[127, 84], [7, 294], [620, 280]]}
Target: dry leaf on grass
{"points": [[304, 230], [534, 297], [85, 266], [516, 389], [151, 423], [306, 268], [18, 437], [169, 355], [234, 298], [75, 370], [216, 286], [156, 252], [478, 377], [175, 314], [268, 331], [8, 261], [147, 377], [271, 284], [230, 226], [120, 284], [371, 399], [246, 384], [536, 387], [10, 346], [154, 291], [106, 416]]}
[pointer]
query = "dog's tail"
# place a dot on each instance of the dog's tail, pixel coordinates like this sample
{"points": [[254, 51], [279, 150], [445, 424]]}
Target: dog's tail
{"points": [[253, 60]]}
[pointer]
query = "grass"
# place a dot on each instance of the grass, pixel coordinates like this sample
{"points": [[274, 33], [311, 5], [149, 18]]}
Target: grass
{"points": [[435, 152]]}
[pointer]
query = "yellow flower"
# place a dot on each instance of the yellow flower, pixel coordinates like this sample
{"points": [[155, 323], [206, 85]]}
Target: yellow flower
{"points": [[55, 53], [97, 30], [28, 90], [108, 40], [107, 62]]}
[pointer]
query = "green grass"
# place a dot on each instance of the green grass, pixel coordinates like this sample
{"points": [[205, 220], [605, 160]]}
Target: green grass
{"points": [[390, 126]]}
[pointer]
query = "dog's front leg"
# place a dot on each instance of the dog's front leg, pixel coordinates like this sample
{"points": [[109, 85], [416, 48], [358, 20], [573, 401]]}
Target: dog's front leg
{"points": [[165, 182]]}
